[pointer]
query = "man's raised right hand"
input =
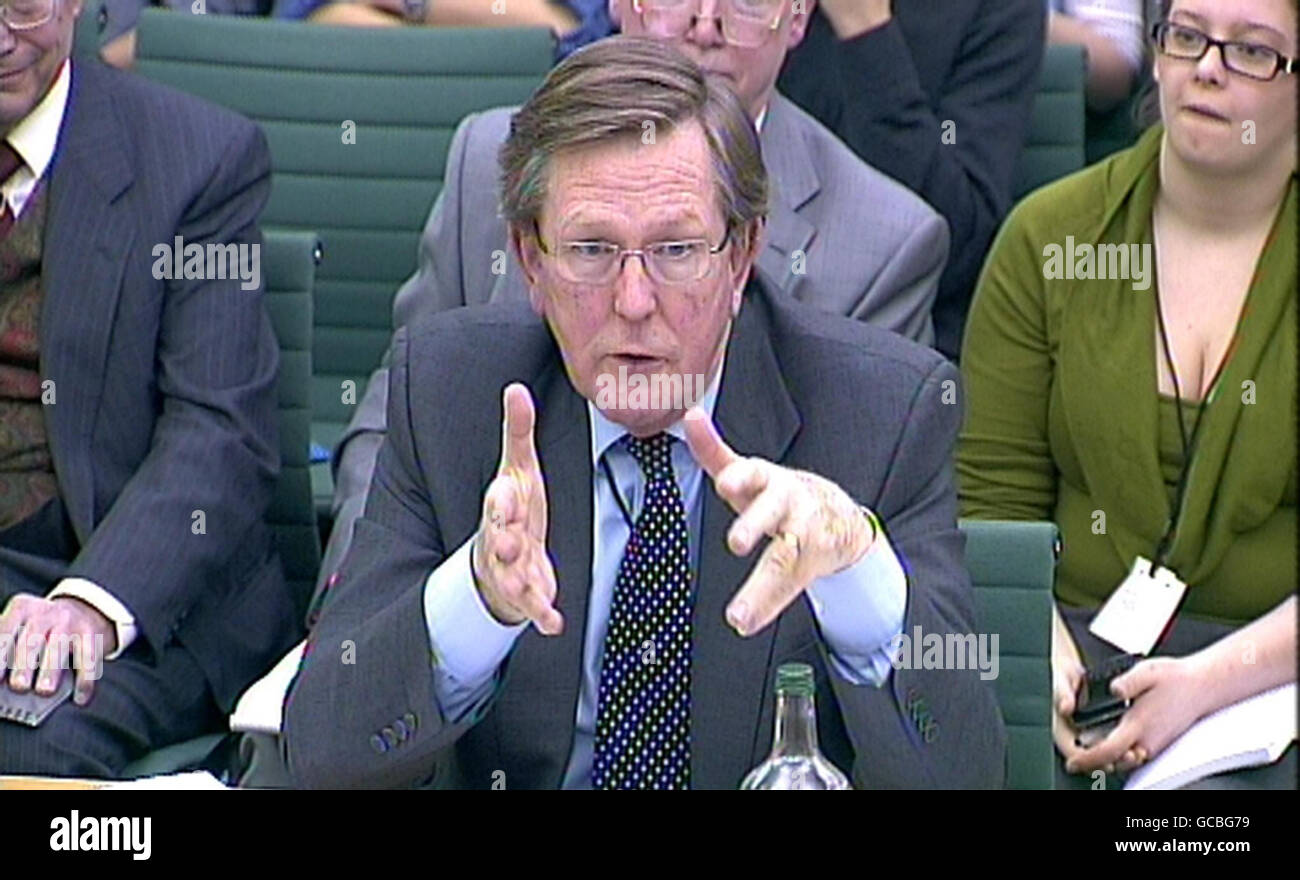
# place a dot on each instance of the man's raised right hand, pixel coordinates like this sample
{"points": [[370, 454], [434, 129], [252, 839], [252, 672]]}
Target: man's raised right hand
{"points": [[512, 570]]}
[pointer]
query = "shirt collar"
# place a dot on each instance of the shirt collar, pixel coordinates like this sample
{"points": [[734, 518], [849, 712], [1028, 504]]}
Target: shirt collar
{"points": [[762, 117], [36, 134], [605, 433]]}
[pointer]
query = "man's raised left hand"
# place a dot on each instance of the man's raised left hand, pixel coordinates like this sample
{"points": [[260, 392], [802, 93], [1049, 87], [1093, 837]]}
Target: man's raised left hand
{"points": [[816, 528]]}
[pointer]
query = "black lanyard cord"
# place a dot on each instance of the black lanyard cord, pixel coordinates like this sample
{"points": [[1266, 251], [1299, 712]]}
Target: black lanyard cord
{"points": [[1189, 444], [618, 498]]}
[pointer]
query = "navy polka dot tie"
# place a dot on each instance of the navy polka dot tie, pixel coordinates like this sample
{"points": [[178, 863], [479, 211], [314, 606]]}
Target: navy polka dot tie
{"points": [[643, 713]]}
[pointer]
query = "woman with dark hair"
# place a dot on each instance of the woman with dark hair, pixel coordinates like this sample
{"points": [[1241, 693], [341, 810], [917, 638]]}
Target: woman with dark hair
{"points": [[1130, 369]]}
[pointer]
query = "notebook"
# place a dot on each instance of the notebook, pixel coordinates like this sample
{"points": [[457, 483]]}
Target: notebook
{"points": [[1250, 733]]}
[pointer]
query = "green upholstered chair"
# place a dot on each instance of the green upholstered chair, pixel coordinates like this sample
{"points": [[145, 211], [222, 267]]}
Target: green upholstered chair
{"points": [[366, 190], [289, 269], [85, 35], [1054, 146], [1012, 566], [289, 261]]}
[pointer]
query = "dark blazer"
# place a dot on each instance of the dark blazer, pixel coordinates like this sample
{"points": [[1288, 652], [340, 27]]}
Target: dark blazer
{"points": [[889, 92], [854, 403], [165, 390]]}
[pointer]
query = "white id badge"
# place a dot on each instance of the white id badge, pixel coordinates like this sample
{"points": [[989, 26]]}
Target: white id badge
{"points": [[1137, 612]]}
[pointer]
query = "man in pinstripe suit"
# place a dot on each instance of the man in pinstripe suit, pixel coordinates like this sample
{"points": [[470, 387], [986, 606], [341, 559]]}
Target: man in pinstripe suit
{"points": [[138, 443]]}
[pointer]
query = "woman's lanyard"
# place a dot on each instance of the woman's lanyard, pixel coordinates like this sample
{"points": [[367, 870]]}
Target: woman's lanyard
{"points": [[1188, 443]]}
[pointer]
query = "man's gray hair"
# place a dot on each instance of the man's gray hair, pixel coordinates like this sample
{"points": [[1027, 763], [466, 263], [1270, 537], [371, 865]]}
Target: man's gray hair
{"points": [[608, 91]]}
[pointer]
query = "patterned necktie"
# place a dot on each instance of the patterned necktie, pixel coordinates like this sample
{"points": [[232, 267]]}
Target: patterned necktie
{"points": [[10, 162], [643, 713]]}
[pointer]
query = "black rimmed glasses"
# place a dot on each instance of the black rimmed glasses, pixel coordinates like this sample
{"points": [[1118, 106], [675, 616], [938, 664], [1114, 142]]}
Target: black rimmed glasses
{"points": [[1252, 60]]}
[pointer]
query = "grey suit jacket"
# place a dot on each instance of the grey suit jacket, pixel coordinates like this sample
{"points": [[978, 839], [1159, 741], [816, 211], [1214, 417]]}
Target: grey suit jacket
{"points": [[870, 248], [166, 401], [856, 404]]}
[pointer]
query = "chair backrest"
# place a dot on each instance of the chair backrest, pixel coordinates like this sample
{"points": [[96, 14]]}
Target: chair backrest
{"points": [[1012, 566], [358, 121], [85, 34], [289, 267], [1054, 146]]}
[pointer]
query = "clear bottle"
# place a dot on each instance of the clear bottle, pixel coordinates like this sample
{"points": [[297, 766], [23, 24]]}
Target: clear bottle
{"points": [[795, 762]]}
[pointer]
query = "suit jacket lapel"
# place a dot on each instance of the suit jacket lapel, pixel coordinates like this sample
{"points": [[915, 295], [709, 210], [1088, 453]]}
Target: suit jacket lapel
{"points": [[87, 239], [756, 416], [793, 182]]}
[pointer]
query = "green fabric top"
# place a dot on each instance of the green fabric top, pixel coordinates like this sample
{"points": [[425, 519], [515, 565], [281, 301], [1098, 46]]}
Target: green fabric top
{"points": [[1064, 422]]}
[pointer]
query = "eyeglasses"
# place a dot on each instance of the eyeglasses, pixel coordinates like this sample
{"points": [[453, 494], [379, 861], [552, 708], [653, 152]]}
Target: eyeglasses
{"points": [[1248, 59], [745, 23], [24, 15], [601, 262]]}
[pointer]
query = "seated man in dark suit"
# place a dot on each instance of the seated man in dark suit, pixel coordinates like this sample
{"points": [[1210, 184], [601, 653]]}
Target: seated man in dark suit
{"points": [[603, 518], [138, 436], [938, 95]]}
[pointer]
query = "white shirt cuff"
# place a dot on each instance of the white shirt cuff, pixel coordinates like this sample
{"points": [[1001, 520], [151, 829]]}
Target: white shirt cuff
{"points": [[467, 641], [106, 604]]}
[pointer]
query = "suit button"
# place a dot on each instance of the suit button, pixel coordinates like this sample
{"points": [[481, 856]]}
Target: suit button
{"points": [[932, 731], [402, 731], [377, 743], [411, 721], [390, 738]]}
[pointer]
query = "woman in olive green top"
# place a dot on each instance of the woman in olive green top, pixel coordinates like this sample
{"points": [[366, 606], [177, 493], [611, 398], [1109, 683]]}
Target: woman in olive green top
{"points": [[1073, 410]]}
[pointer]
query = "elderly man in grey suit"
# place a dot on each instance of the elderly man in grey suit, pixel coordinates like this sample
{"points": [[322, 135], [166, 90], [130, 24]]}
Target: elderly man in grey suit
{"points": [[841, 236], [576, 607]]}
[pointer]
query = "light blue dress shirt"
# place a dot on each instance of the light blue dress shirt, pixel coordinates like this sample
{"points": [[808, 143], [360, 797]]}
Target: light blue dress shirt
{"points": [[860, 610]]}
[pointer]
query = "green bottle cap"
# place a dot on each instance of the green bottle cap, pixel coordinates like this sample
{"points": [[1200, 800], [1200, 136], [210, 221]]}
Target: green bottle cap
{"points": [[795, 679]]}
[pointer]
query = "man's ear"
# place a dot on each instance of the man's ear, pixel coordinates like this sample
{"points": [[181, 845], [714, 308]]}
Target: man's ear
{"points": [[754, 240], [529, 257], [800, 14], [748, 245]]}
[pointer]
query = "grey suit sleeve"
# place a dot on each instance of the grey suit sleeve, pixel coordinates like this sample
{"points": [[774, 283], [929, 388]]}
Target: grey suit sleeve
{"points": [[367, 675], [966, 744], [437, 285], [902, 295]]}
